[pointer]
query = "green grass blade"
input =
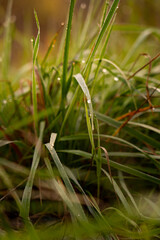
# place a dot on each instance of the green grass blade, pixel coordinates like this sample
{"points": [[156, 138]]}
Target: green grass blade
{"points": [[7, 181], [117, 166], [102, 53], [146, 126], [60, 189], [70, 108], [26, 198], [118, 192], [90, 133], [34, 92], [14, 167], [137, 134], [101, 34], [99, 162], [85, 90], [142, 37], [106, 5], [123, 184], [69, 80], [66, 53], [103, 136], [81, 215], [49, 50]]}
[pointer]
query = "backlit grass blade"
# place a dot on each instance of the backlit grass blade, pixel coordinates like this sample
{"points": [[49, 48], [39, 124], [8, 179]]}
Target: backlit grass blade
{"points": [[67, 182], [34, 92], [49, 49], [122, 73], [118, 166], [61, 190], [142, 37], [85, 90], [26, 198], [101, 34], [99, 38], [66, 53], [103, 52]]}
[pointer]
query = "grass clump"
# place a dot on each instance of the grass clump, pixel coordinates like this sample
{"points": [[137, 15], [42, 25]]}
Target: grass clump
{"points": [[80, 138]]}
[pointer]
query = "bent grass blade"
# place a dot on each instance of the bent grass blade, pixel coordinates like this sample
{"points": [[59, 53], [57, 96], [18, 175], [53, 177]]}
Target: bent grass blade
{"points": [[71, 197], [85, 90]]}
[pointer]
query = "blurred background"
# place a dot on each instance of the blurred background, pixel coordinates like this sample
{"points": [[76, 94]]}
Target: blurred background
{"points": [[52, 13]]}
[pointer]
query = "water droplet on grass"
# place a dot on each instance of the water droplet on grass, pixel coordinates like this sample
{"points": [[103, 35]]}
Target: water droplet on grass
{"points": [[83, 5], [104, 70], [116, 79], [4, 101], [59, 79], [83, 61], [88, 101]]}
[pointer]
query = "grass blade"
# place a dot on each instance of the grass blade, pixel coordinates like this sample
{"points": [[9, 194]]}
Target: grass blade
{"points": [[137, 134], [24, 213], [34, 92], [66, 53], [118, 166], [7, 181], [80, 213], [118, 192], [101, 34], [85, 90]]}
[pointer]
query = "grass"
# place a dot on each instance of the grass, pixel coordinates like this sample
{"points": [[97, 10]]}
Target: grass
{"points": [[79, 132]]}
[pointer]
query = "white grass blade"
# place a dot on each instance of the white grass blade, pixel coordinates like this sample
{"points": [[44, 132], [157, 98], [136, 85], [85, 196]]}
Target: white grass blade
{"points": [[85, 90]]}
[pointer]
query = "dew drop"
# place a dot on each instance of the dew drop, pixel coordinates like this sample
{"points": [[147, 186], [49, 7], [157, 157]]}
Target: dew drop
{"points": [[31, 39], [83, 5], [4, 101], [104, 70], [116, 79], [83, 61], [88, 101], [59, 79], [62, 23]]}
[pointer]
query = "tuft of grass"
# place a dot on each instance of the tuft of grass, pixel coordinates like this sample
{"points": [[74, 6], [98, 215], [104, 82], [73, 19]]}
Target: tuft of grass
{"points": [[79, 131]]}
